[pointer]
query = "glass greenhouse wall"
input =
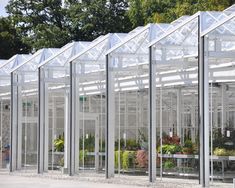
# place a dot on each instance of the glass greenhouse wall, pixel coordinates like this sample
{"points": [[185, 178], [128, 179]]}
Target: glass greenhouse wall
{"points": [[54, 74], [89, 89], [128, 94], [175, 93], [126, 103], [176, 61], [25, 82], [219, 48], [5, 93], [4, 117]]}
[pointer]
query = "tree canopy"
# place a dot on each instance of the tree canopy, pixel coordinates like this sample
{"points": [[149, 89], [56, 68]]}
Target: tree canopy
{"points": [[35, 24], [10, 40]]}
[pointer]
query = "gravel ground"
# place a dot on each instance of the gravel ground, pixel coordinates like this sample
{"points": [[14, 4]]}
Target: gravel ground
{"points": [[88, 180]]}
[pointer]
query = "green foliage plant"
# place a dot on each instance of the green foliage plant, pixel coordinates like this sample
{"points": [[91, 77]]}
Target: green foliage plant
{"points": [[128, 159]]}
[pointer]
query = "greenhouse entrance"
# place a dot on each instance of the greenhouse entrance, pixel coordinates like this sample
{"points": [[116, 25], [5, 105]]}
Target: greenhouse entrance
{"points": [[91, 156]]}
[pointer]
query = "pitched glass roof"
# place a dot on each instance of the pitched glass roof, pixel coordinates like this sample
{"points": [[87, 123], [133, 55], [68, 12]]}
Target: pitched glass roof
{"points": [[13, 62], [94, 55], [31, 64], [64, 54]]}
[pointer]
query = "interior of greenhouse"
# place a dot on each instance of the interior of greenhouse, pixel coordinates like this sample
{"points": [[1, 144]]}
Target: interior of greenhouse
{"points": [[155, 102]]}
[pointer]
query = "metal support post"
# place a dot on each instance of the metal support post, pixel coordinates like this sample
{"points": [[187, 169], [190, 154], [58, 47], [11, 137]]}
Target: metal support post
{"points": [[110, 119], [152, 119], [204, 114]]}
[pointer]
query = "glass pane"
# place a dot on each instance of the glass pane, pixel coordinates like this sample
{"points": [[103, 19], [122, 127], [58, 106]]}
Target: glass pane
{"points": [[219, 54], [175, 65]]}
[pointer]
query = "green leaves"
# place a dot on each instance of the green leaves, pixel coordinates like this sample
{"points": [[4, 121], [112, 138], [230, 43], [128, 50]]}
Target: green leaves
{"points": [[59, 144], [40, 23], [93, 18], [10, 41]]}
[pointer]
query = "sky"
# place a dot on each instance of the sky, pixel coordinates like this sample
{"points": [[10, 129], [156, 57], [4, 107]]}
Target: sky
{"points": [[3, 3]]}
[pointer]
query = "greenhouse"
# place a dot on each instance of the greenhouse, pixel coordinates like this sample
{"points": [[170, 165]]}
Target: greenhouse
{"points": [[24, 96], [155, 102], [5, 99], [53, 129]]}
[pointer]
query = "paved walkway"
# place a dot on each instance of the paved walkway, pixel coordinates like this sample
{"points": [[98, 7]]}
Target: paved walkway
{"points": [[21, 180], [7, 181]]}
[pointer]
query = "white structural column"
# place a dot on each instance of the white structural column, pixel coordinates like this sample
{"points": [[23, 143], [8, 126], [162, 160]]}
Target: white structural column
{"points": [[193, 122], [46, 127], [179, 112], [13, 156], [203, 110], [42, 133], [74, 121], [223, 108], [215, 112], [152, 119], [110, 119], [66, 131], [97, 144], [16, 123], [19, 121]]}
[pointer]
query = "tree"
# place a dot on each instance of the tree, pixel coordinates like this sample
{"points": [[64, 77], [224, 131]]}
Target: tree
{"points": [[169, 10], [92, 18], [41, 23], [10, 41], [135, 13]]}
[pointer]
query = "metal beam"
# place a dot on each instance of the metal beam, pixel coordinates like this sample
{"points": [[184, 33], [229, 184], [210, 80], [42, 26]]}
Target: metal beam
{"points": [[73, 122], [13, 157], [203, 115], [152, 119], [67, 133], [40, 131], [19, 125], [45, 110], [110, 120]]}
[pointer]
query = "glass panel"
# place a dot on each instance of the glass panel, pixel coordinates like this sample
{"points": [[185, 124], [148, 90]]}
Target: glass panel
{"points": [[57, 108], [29, 130], [219, 54], [175, 65], [56, 144], [129, 72], [90, 69], [4, 118], [4, 132], [57, 87]]}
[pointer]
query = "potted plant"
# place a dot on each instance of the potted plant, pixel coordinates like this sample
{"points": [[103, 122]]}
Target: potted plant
{"points": [[188, 147], [168, 164], [142, 158], [169, 149], [128, 159], [59, 144], [116, 159]]}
